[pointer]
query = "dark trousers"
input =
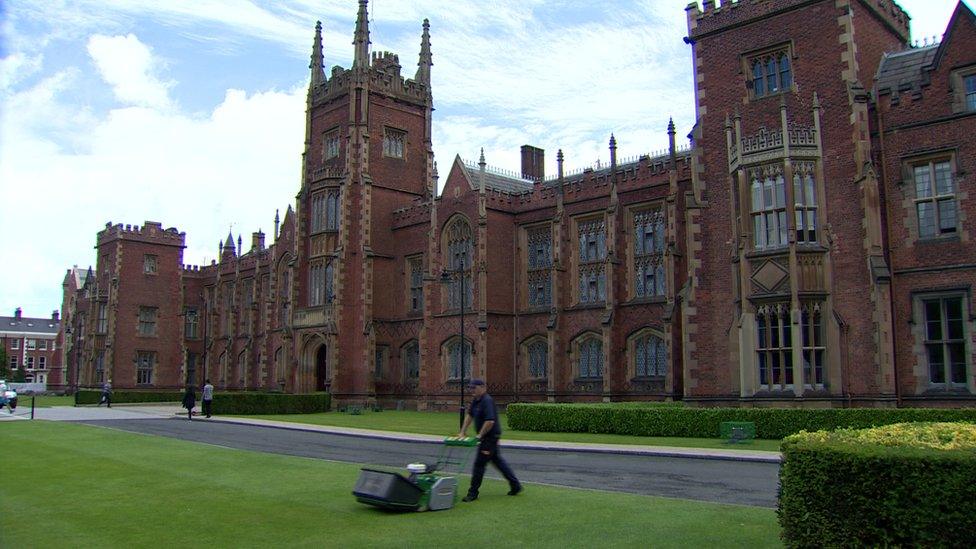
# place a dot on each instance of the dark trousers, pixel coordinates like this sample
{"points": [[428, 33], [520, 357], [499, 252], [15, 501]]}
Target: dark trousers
{"points": [[206, 407], [107, 399], [488, 452]]}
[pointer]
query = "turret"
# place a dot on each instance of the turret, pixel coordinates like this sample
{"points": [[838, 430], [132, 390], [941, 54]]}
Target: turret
{"points": [[361, 40], [316, 64], [423, 66]]}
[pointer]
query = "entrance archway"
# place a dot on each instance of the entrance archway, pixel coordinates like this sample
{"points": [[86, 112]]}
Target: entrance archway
{"points": [[322, 368]]}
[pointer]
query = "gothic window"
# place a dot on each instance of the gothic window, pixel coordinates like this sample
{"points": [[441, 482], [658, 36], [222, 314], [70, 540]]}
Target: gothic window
{"points": [[650, 356], [805, 203], [935, 200], [774, 348], [379, 361], [145, 363], [276, 372], [242, 369], [101, 321], [460, 256], [589, 360], [318, 212], [945, 340], [539, 263], [814, 347], [316, 285], [393, 141], [458, 354], [191, 321], [99, 366], [330, 145], [332, 210], [415, 267], [768, 207], [771, 73], [284, 297], [147, 320], [649, 279], [411, 360], [970, 82], [149, 263], [591, 277], [228, 305], [538, 354]]}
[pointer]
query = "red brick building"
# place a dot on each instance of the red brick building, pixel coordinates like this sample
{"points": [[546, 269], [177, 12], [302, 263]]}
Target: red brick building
{"points": [[809, 247], [31, 346]]}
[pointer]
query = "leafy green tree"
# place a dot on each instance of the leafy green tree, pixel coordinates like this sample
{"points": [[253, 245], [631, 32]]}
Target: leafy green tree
{"points": [[19, 376], [4, 369]]}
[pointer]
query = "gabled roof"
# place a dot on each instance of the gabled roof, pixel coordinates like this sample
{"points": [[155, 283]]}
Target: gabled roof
{"points": [[495, 179], [903, 71], [39, 326]]}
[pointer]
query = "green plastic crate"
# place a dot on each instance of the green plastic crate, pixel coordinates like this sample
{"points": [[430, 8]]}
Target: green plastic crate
{"points": [[737, 431]]}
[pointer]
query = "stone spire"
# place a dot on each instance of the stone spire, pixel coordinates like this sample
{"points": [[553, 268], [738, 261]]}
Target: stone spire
{"points": [[426, 60], [361, 41], [316, 64]]}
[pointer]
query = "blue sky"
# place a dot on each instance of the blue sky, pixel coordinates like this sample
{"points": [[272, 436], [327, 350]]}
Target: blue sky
{"points": [[191, 113]]}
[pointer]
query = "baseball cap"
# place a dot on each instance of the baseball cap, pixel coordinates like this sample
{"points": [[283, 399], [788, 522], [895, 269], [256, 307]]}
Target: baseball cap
{"points": [[475, 383]]}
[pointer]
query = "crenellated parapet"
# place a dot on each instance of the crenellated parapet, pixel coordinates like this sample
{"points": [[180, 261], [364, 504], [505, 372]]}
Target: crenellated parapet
{"points": [[384, 78], [150, 232], [714, 16], [411, 215]]}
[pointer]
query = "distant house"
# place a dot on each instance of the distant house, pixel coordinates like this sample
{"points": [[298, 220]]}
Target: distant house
{"points": [[31, 345]]}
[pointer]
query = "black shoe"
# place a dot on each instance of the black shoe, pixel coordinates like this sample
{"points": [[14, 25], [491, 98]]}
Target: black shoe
{"points": [[470, 497], [515, 491]]}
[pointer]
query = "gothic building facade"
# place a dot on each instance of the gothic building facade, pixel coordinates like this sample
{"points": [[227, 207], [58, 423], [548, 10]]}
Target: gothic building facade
{"points": [[810, 245]]}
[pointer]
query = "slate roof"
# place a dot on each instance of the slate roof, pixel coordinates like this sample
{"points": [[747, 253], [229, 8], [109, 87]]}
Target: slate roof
{"points": [[41, 326], [902, 71], [497, 181]]}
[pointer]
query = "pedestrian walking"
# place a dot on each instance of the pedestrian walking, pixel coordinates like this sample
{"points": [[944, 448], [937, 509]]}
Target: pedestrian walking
{"points": [[189, 401], [485, 417], [207, 397], [106, 394]]}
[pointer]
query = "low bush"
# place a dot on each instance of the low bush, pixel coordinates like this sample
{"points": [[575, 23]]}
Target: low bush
{"points": [[226, 403], [907, 485], [678, 421], [270, 403], [86, 396]]}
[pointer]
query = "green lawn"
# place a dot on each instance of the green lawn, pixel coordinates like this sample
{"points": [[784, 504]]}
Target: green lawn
{"points": [[446, 423], [106, 488], [45, 401]]}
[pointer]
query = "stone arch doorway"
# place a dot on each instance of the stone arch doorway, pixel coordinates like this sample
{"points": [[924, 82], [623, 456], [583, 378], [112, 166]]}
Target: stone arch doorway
{"points": [[322, 368]]}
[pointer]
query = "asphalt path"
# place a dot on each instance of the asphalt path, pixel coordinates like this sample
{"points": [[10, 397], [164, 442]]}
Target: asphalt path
{"points": [[721, 481]]}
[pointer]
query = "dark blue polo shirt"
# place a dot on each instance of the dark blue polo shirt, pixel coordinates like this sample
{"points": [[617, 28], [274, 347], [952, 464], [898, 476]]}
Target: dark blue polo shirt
{"points": [[482, 410]]}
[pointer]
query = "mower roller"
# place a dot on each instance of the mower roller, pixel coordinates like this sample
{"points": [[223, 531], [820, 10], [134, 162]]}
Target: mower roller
{"points": [[429, 486]]}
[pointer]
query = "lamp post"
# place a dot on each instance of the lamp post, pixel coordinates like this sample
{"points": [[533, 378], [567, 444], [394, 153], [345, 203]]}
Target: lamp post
{"points": [[77, 349], [446, 277]]}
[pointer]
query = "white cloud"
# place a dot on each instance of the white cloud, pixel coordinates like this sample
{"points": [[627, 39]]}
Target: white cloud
{"points": [[128, 66]]}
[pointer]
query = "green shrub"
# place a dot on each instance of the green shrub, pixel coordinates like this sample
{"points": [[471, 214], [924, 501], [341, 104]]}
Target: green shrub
{"points": [[87, 396], [677, 421], [270, 403], [865, 489]]}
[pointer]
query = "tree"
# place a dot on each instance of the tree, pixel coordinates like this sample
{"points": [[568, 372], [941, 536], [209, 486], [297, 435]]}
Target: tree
{"points": [[19, 376], [4, 371]]}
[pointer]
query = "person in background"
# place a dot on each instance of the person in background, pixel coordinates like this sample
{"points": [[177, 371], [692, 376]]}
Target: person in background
{"points": [[207, 397], [189, 401], [482, 411], [106, 394]]}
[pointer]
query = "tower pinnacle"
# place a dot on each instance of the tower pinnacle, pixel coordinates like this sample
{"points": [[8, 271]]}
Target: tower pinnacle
{"points": [[316, 64], [423, 66], [361, 40]]}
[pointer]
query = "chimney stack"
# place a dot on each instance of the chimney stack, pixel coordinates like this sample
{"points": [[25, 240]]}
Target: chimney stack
{"points": [[55, 316], [533, 163], [17, 313], [257, 241]]}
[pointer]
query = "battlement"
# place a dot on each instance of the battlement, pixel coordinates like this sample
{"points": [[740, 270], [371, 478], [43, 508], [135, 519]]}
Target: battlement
{"points": [[151, 232], [714, 16], [384, 77], [385, 61], [419, 212]]}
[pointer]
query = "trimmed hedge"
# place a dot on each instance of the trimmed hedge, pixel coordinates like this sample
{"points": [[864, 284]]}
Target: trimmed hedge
{"points": [[226, 403], [676, 421], [86, 396], [270, 403], [839, 490]]}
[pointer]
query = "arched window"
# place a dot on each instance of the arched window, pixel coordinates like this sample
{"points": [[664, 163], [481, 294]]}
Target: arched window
{"points": [[456, 355], [589, 361], [411, 360], [785, 77], [758, 86], [537, 353], [332, 210], [650, 355], [276, 367], [460, 258]]}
